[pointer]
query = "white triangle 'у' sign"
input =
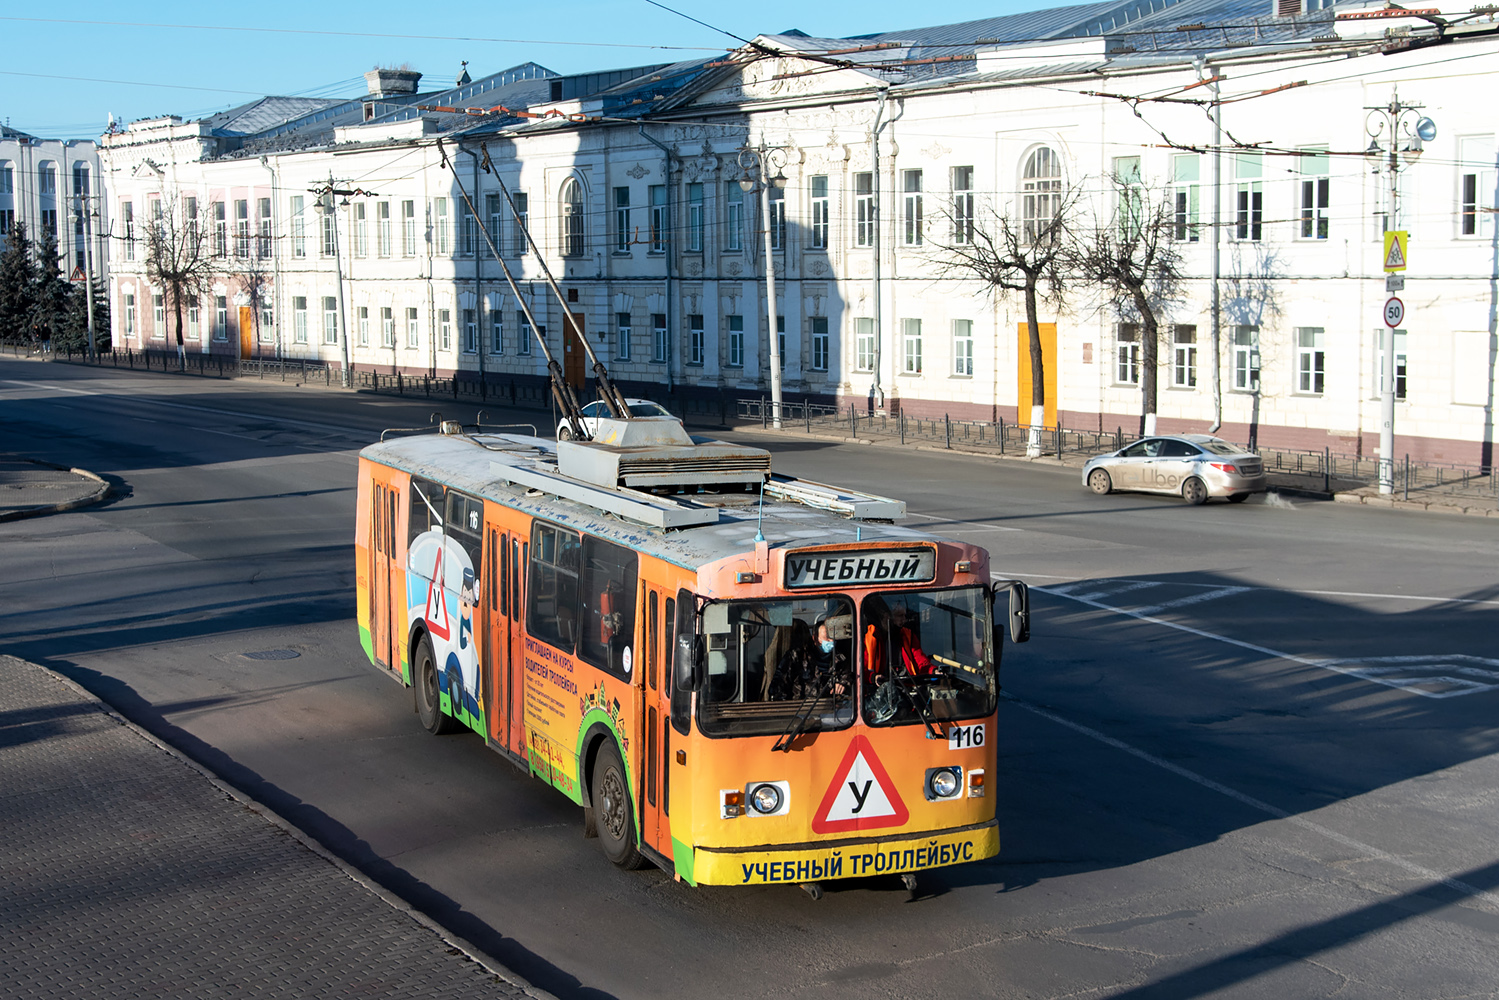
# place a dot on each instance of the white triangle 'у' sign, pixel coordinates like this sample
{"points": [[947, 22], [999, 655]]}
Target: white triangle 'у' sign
{"points": [[861, 795]]}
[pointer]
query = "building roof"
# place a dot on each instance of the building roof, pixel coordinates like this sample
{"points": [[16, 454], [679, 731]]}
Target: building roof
{"points": [[264, 113], [6, 132]]}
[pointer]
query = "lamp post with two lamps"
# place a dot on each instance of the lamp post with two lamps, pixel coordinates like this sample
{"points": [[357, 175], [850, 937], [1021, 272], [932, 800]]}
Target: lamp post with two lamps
{"points": [[1397, 123], [84, 213], [329, 211], [762, 160]]}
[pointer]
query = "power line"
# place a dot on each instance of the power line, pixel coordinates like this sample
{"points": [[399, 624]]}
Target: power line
{"points": [[362, 34], [128, 83]]}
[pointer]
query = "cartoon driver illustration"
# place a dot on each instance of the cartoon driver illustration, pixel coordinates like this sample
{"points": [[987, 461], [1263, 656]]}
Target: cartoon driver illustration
{"points": [[462, 664]]}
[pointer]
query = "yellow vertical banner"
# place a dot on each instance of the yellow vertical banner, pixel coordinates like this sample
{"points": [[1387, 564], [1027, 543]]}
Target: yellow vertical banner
{"points": [[1048, 332]]}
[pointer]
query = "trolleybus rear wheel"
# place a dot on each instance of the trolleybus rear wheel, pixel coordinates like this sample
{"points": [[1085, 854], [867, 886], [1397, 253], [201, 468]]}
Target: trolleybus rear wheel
{"points": [[611, 810], [425, 691]]}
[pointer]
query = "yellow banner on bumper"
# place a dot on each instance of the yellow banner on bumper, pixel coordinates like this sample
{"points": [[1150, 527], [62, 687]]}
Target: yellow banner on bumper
{"points": [[848, 860]]}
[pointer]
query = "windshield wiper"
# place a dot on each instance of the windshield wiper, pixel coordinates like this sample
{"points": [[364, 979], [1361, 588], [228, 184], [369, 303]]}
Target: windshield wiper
{"points": [[801, 722]]}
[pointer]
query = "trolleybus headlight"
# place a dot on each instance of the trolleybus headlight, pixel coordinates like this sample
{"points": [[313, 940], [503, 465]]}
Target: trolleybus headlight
{"points": [[766, 799], [943, 782]]}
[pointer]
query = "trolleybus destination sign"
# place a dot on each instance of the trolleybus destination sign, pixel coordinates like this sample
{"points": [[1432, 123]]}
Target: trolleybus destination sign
{"points": [[859, 567]]}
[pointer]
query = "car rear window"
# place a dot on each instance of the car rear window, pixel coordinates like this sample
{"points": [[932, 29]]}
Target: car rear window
{"points": [[1221, 448], [649, 410]]}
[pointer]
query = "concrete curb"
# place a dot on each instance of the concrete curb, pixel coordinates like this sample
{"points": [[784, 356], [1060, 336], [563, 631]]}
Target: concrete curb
{"points": [[291, 830], [1390, 503], [57, 508]]}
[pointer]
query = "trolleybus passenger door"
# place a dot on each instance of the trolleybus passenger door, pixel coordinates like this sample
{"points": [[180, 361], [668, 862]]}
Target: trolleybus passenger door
{"points": [[382, 551], [495, 649], [655, 827], [514, 677]]}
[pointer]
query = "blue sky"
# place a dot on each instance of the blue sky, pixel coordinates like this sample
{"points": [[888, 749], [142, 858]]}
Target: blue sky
{"points": [[193, 71]]}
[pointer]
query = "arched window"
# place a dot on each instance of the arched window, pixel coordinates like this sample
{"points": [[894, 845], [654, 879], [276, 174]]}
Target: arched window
{"points": [[571, 206], [1041, 193]]}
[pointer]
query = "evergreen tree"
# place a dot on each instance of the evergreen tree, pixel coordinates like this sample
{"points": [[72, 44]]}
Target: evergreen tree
{"points": [[18, 280], [73, 334], [50, 304]]}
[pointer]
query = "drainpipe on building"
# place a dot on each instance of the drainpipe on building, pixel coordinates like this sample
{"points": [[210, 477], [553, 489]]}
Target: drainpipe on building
{"points": [[265, 161], [1215, 351], [876, 392], [478, 288], [671, 250]]}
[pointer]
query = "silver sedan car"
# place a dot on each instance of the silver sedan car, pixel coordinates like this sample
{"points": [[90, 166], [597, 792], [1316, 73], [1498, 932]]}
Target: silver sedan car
{"points": [[1196, 466], [597, 410]]}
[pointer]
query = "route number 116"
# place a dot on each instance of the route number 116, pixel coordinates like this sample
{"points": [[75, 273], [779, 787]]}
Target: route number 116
{"points": [[965, 737]]}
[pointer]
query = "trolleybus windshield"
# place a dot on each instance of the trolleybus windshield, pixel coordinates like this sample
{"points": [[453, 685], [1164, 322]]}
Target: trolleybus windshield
{"points": [[927, 656]]}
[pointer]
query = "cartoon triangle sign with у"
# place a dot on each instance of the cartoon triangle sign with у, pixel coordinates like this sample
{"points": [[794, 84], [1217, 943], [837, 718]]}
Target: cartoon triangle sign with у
{"points": [[438, 622], [861, 795]]}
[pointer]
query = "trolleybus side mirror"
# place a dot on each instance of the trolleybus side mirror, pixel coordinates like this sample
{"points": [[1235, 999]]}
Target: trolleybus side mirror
{"points": [[687, 674], [1020, 611]]}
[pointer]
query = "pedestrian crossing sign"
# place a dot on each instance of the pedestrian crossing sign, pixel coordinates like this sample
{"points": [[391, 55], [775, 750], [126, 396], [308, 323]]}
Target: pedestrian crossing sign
{"points": [[1394, 250]]}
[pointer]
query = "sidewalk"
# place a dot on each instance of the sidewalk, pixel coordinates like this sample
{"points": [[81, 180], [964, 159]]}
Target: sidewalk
{"points": [[130, 872], [29, 487]]}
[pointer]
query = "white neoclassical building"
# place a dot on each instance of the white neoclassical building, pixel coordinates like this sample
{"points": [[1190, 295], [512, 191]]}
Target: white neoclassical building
{"points": [[45, 184], [887, 151]]}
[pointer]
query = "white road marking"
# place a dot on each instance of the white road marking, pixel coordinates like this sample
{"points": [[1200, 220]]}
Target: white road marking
{"points": [[957, 520], [1278, 590], [1413, 684], [1197, 598], [1066, 591], [1367, 849], [43, 385]]}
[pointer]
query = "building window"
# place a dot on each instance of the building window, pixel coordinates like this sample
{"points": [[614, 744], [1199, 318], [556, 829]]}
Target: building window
{"points": [[622, 336], [299, 318], [298, 226], [658, 338], [241, 228], [697, 350], [470, 331], [817, 193], [521, 217], [267, 323], [1184, 356], [330, 319], [1400, 369], [444, 330], [364, 326], [383, 234], [80, 180], [158, 311], [820, 344], [695, 218], [220, 317], [1127, 355], [1129, 191], [468, 231], [387, 326], [570, 215], [49, 222], [127, 219], [190, 217], [263, 228], [733, 216], [1475, 183], [781, 340], [1315, 185], [1249, 194], [329, 228], [1247, 358], [910, 330], [361, 230], [736, 341], [864, 210], [408, 229], [492, 207], [776, 200], [46, 176], [962, 347], [158, 330], [1041, 194], [194, 323], [523, 345], [622, 232], [659, 220], [443, 227], [864, 344], [129, 314], [497, 331], [962, 205], [911, 186], [1185, 171], [220, 230], [1311, 359], [413, 329]]}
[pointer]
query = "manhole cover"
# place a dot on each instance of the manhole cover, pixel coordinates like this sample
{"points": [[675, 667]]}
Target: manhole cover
{"points": [[272, 654]]}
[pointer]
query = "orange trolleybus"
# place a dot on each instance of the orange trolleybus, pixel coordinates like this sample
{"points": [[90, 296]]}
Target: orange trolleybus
{"points": [[741, 677]]}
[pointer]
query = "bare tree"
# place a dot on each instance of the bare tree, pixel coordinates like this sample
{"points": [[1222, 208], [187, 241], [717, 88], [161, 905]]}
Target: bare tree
{"points": [[1133, 258], [178, 259], [1030, 256]]}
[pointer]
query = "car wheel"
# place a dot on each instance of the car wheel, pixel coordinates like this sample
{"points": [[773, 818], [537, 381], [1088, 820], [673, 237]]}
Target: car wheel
{"points": [[564, 434], [1238, 498], [611, 810], [1195, 491], [1099, 482], [428, 700]]}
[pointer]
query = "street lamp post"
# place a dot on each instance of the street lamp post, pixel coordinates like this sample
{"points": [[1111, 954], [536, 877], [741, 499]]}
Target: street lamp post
{"points": [[85, 215], [1397, 123], [762, 159]]}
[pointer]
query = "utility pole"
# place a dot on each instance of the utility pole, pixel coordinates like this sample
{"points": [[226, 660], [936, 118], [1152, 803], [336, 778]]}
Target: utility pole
{"points": [[330, 211], [762, 158], [86, 211]]}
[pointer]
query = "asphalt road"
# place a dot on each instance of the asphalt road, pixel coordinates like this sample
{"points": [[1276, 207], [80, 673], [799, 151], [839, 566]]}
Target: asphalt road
{"points": [[1249, 752]]}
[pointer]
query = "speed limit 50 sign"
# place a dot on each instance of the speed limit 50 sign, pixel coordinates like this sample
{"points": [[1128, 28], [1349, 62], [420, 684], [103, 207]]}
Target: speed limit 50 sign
{"points": [[1394, 312]]}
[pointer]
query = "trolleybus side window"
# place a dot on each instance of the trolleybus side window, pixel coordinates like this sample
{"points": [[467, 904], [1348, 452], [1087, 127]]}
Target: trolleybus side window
{"points": [[777, 666], [927, 656], [552, 613], [608, 603], [681, 697], [426, 511], [465, 519]]}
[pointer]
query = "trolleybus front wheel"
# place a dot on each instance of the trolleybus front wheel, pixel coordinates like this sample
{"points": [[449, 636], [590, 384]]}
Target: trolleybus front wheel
{"points": [[428, 700], [611, 810]]}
